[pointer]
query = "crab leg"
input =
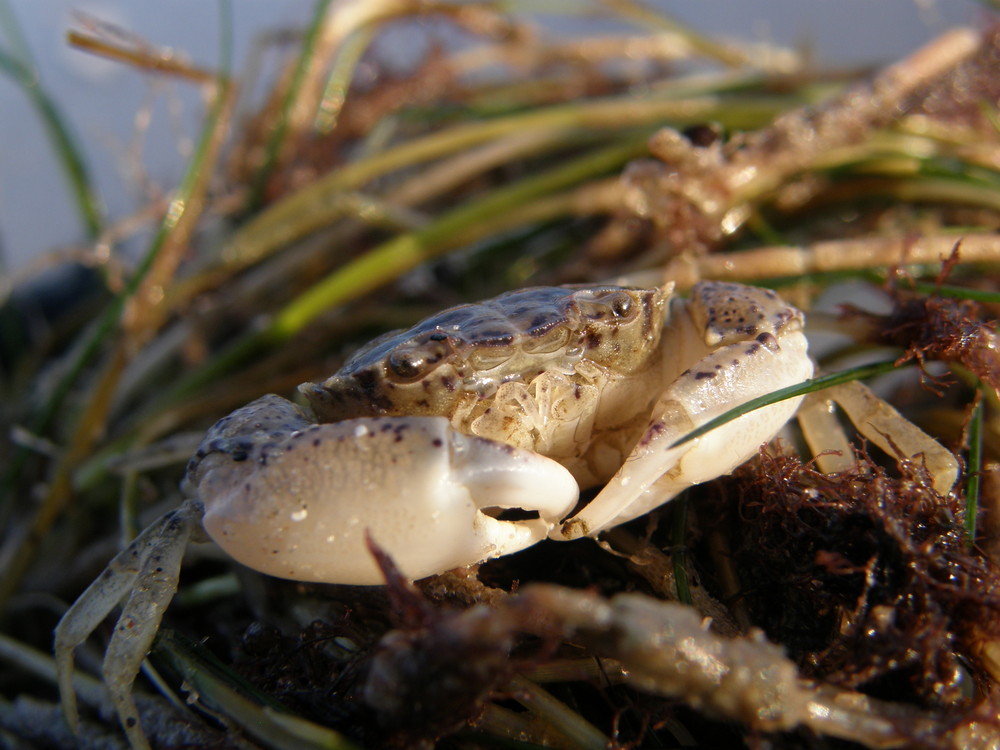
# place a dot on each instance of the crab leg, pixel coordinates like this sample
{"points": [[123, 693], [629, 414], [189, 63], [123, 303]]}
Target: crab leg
{"points": [[889, 430], [157, 563]]}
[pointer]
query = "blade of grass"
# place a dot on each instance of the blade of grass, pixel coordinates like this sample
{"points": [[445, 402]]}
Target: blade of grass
{"points": [[916, 189], [20, 68], [958, 292], [918, 255], [393, 213], [809, 386], [140, 59], [337, 85], [678, 552]]}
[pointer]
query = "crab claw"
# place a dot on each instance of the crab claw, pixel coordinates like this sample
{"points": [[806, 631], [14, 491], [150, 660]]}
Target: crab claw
{"points": [[739, 343], [298, 505]]}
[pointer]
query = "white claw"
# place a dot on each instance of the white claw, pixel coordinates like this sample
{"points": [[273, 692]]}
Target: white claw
{"points": [[300, 507], [643, 484], [738, 343]]}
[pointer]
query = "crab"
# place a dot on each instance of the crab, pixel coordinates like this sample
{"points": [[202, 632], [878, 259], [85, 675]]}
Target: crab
{"points": [[465, 437]]}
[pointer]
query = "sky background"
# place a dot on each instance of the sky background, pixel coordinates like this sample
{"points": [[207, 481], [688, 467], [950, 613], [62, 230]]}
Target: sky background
{"points": [[101, 98]]}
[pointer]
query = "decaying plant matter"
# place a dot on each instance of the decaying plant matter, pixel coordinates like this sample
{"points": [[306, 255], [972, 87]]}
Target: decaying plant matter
{"points": [[843, 594], [936, 327]]}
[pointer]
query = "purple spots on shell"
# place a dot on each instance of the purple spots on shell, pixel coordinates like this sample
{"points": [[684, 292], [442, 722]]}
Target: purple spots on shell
{"points": [[654, 429]]}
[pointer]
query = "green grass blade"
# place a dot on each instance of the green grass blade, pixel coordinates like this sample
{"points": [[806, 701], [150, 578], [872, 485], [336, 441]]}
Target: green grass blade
{"points": [[958, 292], [678, 552], [19, 68], [782, 394], [339, 82]]}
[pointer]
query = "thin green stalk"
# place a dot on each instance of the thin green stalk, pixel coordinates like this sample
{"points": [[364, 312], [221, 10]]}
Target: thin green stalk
{"points": [[809, 386], [19, 67], [339, 81], [15, 37], [975, 471], [272, 150], [678, 554], [958, 292]]}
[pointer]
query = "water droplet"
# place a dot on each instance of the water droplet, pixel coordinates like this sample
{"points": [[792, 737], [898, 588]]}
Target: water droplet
{"points": [[360, 431]]}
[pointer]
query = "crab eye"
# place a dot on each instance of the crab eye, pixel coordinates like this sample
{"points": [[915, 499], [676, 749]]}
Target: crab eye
{"points": [[413, 361], [407, 365], [620, 304], [616, 305]]}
